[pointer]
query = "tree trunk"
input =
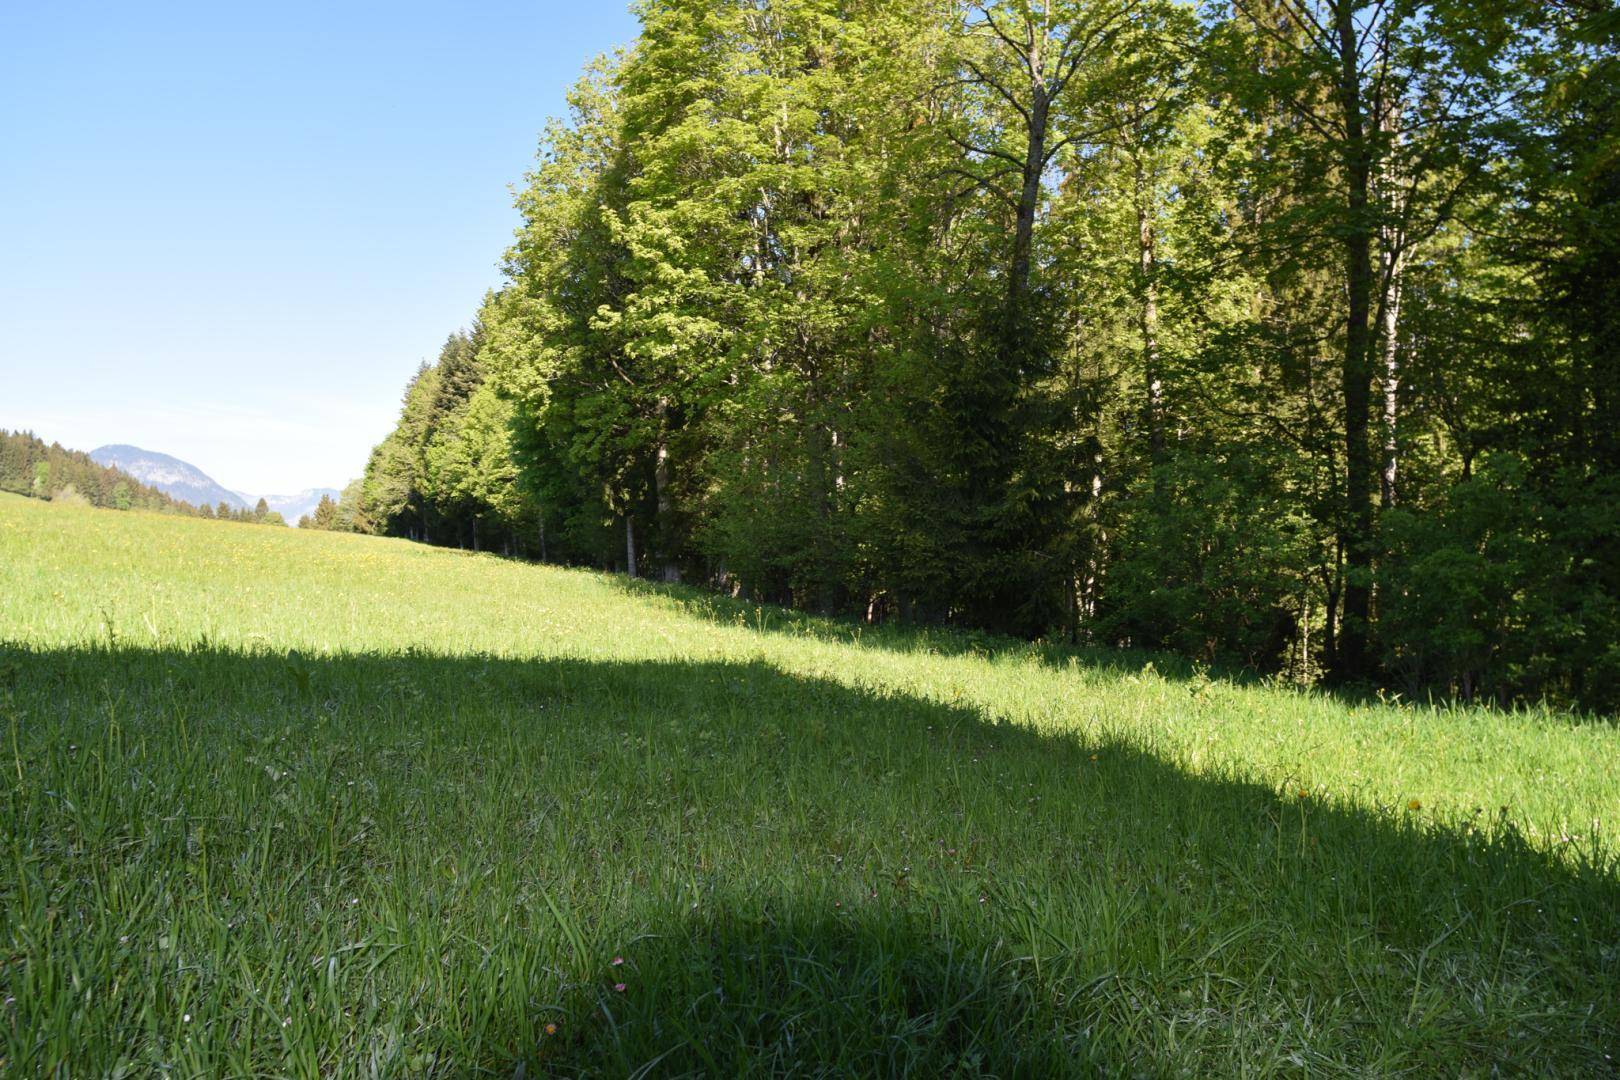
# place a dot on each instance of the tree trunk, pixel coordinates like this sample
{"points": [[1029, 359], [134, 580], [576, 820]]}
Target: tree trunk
{"points": [[542, 516], [666, 507], [1392, 262], [1392, 383], [1147, 263], [1029, 198], [1330, 630], [1086, 606], [1303, 672], [630, 543], [1028, 203], [1356, 527]]}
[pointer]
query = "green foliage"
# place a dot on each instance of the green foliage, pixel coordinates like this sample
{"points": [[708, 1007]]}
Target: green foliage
{"points": [[29, 467], [69, 495], [1136, 324], [1477, 596], [1209, 563], [353, 513], [1463, 579], [446, 474], [326, 514]]}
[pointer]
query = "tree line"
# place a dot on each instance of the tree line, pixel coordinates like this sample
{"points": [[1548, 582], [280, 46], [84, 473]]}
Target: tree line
{"points": [[1278, 333], [28, 466]]}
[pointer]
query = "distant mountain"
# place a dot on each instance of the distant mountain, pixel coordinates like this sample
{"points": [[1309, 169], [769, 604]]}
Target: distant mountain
{"points": [[29, 467], [185, 481], [169, 475], [293, 507]]}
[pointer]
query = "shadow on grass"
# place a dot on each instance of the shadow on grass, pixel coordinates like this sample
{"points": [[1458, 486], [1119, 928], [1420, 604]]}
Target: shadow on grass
{"points": [[800, 878], [908, 638], [953, 641]]}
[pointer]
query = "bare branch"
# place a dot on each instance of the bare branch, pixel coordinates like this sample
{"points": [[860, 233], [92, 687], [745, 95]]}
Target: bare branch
{"points": [[987, 151], [1006, 94], [1085, 44], [1095, 134], [1313, 28], [1022, 52], [986, 182], [1276, 35]]}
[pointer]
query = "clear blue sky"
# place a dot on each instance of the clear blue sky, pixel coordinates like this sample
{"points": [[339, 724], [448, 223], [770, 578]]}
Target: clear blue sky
{"points": [[231, 231]]}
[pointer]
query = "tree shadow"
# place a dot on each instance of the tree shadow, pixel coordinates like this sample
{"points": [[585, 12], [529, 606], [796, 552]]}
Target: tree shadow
{"points": [[800, 877], [918, 639], [923, 639], [904, 637]]}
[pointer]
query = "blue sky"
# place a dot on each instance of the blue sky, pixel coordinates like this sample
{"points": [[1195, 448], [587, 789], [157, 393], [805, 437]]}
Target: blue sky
{"points": [[230, 232]]}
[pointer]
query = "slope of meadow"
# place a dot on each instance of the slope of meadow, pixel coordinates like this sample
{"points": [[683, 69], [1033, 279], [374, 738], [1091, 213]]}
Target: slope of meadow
{"points": [[281, 802]]}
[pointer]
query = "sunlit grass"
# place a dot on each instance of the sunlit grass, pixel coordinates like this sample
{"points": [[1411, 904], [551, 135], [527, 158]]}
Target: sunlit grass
{"points": [[301, 803]]}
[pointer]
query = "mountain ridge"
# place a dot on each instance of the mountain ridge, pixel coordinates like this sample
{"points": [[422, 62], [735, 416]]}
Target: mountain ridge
{"points": [[182, 480]]}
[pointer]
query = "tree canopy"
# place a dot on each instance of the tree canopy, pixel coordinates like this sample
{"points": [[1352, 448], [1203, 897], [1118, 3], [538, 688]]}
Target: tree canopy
{"points": [[1276, 333]]}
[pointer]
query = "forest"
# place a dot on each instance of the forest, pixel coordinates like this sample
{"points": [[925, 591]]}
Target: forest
{"points": [[28, 466], [1277, 334]]}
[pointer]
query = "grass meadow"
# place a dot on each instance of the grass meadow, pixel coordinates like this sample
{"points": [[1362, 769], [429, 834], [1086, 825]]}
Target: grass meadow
{"points": [[280, 803]]}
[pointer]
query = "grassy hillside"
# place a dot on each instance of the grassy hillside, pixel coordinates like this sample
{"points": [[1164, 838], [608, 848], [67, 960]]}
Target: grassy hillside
{"points": [[311, 803]]}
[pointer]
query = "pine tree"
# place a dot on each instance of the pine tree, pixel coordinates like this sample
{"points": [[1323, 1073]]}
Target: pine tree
{"points": [[325, 517]]}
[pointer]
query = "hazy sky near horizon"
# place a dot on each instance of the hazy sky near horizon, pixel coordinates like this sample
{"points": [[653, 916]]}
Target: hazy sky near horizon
{"points": [[230, 232]]}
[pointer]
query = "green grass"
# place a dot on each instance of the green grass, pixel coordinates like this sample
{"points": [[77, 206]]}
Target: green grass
{"points": [[280, 803]]}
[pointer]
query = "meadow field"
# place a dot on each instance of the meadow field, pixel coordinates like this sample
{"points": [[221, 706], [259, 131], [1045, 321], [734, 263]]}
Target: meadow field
{"points": [[282, 803]]}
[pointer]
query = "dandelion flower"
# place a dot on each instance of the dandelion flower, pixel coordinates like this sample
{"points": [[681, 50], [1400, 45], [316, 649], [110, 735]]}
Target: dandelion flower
{"points": [[1415, 804]]}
